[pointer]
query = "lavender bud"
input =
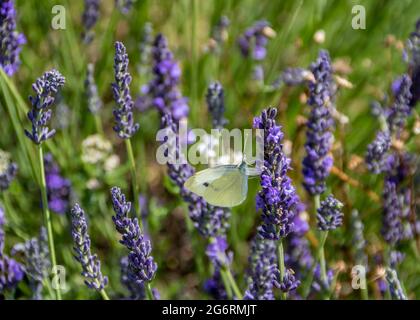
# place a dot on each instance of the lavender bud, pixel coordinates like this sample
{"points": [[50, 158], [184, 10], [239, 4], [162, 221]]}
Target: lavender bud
{"points": [[377, 151], [277, 198], [11, 40], [58, 188], [216, 104], [317, 162], [329, 215], [263, 270], [400, 109], [46, 88], [89, 18], [123, 112], [90, 263], [162, 92], [142, 267]]}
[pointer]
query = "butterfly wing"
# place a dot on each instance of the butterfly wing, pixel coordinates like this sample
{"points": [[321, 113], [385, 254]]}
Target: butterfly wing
{"points": [[229, 190], [199, 182]]}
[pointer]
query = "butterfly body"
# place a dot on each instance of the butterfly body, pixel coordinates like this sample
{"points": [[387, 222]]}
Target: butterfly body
{"points": [[222, 186]]}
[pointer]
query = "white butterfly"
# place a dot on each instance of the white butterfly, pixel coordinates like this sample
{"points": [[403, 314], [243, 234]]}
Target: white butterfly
{"points": [[224, 185]]}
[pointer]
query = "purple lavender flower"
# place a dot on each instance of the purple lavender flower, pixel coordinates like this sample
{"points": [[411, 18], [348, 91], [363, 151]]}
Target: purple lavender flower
{"points": [[329, 215], [36, 261], [400, 109], [162, 91], [94, 103], [90, 263], [289, 281], [215, 286], [11, 40], [8, 171], [46, 88], [395, 288], [123, 112], [58, 188], [89, 18], [136, 290], [216, 104], [217, 252], [210, 221], [254, 40], [11, 272], [142, 267], [318, 162], [392, 229], [377, 151], [124, 6], [396, 220], [263, 270], [277, 198], [318, 284]]}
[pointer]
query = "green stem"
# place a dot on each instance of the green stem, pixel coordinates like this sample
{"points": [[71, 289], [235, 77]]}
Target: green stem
{"points": [[47, 217], [233, 283], [194, 62], [149, 292], [226, 283], [134, 185], [281, 266], [322, 257], [103, 294]]}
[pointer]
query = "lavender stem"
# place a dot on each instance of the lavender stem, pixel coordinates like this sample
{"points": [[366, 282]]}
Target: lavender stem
{"points": [[281, 265], [47, 216], [134, 184]]}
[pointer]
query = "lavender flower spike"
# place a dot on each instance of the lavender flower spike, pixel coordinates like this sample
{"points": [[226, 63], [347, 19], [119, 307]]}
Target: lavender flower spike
{"points": [[254, 40], [277, 198], [36, 261], [263, 270], [123, 113], [11, 272], [91, 90], [329, 215], [58, 188], [90, 262], [377, 151], [11, 40], [46, 88], [89, 18], [216, 104], [162, 92], [400, 109], [392, 227], [142, 267], [8, 170], [318, 162]]}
